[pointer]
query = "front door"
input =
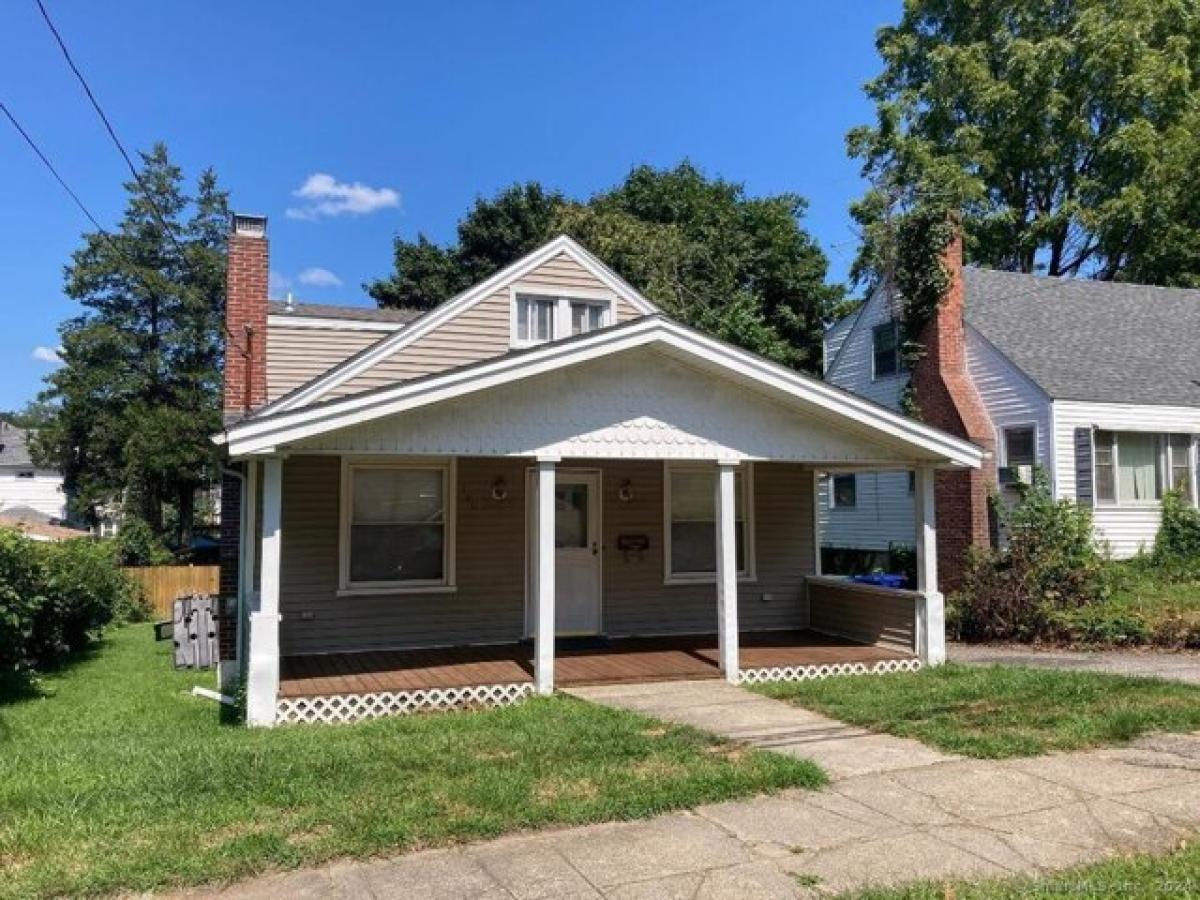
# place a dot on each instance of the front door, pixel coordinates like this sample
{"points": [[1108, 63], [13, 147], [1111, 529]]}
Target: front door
{"points": [[577, 554]]}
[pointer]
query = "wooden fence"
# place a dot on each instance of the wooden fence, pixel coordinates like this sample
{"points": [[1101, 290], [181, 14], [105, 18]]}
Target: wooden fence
{"points": [[162, 584]]}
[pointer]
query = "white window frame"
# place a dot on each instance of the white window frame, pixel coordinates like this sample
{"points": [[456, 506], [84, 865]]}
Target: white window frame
{"points": [[750, 573], [562, 313], [895, 325], [1018, 426], [1164, 468], [446, 584]]}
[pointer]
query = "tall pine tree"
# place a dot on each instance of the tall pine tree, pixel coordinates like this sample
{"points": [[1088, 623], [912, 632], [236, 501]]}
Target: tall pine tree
{"points": [[139, 392]]}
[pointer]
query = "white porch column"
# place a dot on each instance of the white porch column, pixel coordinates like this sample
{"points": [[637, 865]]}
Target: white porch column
{"points": [[543, 638], [246, 556], [727, 592], [262, 684], [931, 612]]}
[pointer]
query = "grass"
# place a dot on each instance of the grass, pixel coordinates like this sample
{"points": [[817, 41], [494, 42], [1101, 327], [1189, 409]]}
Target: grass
{"points": [[115, 778], [1000, 711], [1144, 876]]}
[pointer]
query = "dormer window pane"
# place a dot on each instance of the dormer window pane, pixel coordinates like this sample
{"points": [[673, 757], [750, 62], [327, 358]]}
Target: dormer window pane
{"points": [[535, 318], [586, 317]]}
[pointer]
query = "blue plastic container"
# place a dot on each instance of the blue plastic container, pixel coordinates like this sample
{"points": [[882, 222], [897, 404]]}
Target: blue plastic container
{"points": [[880, 579]]}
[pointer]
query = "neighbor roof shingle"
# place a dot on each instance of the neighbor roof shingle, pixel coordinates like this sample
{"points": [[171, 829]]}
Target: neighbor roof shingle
{"points": [[1101, 341], [350, 313], [14, 445]]}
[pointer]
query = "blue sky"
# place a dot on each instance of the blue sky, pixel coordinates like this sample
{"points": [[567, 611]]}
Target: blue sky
{"points": [[436, 102]]}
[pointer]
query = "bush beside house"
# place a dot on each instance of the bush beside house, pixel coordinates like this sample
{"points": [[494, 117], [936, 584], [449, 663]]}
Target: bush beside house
{"points": [[56, 597], [1051, 582]]}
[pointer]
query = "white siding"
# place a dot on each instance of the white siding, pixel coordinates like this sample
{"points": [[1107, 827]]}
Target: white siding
{"points": [[43, 492], [1126, 529], [884, 512], [852, 368], [1009, 397], [882, 516]]}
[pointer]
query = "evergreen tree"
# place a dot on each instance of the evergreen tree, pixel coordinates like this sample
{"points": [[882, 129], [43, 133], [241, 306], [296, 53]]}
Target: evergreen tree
{"points": [[138, 395]]}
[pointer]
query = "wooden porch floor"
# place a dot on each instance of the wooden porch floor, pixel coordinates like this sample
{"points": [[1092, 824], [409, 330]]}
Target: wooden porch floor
{"points": [[612, 662]]}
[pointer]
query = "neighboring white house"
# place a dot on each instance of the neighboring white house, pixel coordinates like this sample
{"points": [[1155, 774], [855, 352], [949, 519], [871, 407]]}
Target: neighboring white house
{"points": [[24, 485], [1096, 382]]}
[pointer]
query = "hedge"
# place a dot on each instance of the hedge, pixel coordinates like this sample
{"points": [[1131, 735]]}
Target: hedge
{"points": [[56, 597]]}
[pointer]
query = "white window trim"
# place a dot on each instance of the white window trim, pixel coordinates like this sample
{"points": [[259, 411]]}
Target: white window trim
{"points": [[750, 574], [1164, 465], [1018, 426], [895, 323], [449, 469], [562, 313]]}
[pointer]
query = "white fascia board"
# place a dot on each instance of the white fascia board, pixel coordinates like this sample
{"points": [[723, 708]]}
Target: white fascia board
{"points": [[255, 436], [284, 320], [451, 308]]}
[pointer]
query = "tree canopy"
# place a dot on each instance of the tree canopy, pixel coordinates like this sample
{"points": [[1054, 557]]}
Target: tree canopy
{"points": [[138, 394], [742, 268], [1064, 130]]}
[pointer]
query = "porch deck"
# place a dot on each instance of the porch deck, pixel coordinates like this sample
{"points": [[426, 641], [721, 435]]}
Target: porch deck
{"points": [[611, 662]]}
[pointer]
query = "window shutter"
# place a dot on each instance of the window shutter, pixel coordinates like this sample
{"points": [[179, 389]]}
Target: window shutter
{"points": [[1083, 467]]}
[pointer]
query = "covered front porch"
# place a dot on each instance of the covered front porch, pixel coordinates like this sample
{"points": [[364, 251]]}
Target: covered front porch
{"points": [[656, 504]]}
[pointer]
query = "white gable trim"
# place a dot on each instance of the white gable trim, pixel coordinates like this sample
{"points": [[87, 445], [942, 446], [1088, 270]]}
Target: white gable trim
{"points": [[263, 434], [357, 365]]}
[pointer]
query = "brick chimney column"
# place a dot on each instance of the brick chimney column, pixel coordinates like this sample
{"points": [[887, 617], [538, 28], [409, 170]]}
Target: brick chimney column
{"points": [[948, 399], [245, 390], [246, 317]]}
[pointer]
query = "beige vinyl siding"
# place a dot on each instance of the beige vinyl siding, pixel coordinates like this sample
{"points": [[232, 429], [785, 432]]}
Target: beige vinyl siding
{"points": [[478, 332], [295, 356], [861, 612], [489, 604]]}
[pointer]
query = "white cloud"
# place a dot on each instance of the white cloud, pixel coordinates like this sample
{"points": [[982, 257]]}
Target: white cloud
{"points": [[47, 355], [318, 277], [328, 197], [277, 284]]}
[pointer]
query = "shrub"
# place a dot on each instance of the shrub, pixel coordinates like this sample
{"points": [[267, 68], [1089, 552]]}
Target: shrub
{"points": [[1050, 564], [138, 545], [1178, 536], [55, 598]]}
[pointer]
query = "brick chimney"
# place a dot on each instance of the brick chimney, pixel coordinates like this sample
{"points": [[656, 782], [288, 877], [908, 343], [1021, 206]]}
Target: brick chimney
{"points": [[246, 317], [947, 399]]}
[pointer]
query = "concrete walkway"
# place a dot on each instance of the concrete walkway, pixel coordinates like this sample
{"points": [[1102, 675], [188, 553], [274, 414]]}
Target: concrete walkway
{"points": [[1183, 666], [842, 750], [955, 819]]}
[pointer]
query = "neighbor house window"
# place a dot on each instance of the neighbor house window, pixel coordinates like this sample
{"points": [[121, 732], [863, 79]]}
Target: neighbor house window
{"points": [[535, 318], [691, 536], [1020, 446], [885, 348], [845, 491], [397, 526], [538, 318], [1133, 467]]}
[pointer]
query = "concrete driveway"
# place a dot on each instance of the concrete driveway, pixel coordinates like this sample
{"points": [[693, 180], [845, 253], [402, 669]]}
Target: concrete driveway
{"points": [[1182, 666]]}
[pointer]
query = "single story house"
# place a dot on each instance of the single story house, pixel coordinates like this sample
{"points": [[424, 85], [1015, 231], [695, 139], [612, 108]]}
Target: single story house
{"points": [[543, 480], [1098, 383]]}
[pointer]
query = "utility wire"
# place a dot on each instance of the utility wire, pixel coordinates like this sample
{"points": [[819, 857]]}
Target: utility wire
{"points": [[112, 133]]}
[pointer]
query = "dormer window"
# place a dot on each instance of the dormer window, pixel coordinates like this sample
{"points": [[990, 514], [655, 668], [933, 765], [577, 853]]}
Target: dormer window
{"points": [[538, 318]]}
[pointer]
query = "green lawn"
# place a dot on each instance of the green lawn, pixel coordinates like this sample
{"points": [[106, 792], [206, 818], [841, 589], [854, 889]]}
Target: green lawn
{"points": [[998, 711], [1174, 875], [117, 778]]}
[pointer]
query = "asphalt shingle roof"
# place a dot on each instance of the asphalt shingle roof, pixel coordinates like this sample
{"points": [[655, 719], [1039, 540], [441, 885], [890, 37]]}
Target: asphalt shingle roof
{"points": [[1109, 342], [14, 445], [351, 313]]}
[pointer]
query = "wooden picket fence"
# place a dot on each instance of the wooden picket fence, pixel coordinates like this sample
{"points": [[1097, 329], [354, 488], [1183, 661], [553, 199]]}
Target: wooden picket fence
{"points": [[162, 584]]}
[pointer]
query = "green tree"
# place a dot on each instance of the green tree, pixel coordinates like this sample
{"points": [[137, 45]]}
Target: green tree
{"points": [[138, 394], [1065, 130], [739, 267]]}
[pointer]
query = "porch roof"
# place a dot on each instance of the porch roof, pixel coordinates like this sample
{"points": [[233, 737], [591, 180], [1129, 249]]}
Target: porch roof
{"points": [[855, 422]]}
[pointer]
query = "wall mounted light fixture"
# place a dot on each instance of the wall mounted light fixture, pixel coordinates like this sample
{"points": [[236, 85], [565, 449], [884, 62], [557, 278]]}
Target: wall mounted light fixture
{"points": [[625, 491], [499, 489]]}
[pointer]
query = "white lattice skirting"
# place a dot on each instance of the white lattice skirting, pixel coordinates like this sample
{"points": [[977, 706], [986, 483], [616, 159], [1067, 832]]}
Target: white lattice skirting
{"points": [[338, 708], [809, 673]]}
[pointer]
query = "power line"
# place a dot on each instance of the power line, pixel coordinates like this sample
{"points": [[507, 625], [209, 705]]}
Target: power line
{"points": [[112, 133]]}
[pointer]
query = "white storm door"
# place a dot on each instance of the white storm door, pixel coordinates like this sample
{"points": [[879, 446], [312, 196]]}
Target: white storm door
{"points": [[577, 553]]}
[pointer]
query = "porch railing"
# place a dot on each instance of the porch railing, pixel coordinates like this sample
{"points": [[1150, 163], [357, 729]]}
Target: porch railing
{"points": [[863, 612]]}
